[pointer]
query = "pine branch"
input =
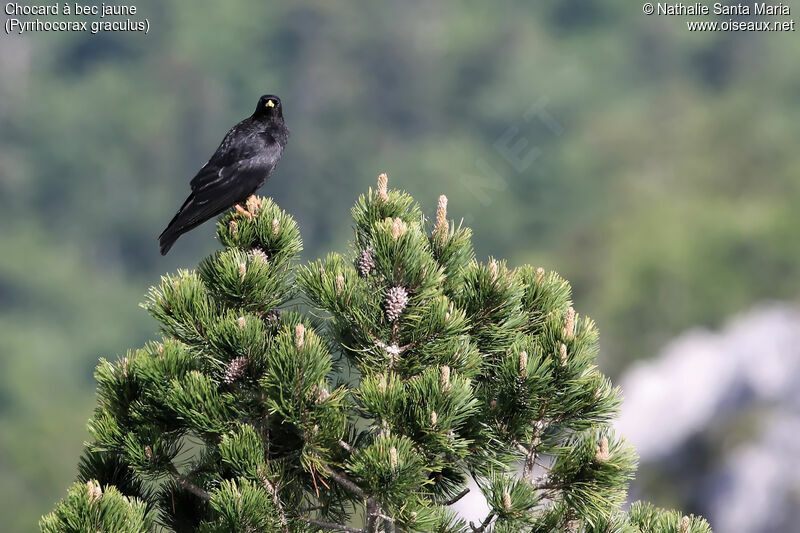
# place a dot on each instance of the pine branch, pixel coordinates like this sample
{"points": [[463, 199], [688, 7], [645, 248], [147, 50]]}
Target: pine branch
{"points": [[373, 508], [330, 525], [484, 524], [342, 480], [184, 482], [393, 349], [273, 490], [545, 484], [530, 458], [457, 497], [372, 516]]}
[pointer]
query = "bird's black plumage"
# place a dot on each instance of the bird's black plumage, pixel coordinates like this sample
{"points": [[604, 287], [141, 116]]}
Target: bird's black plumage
{"points": [[244, 160]]}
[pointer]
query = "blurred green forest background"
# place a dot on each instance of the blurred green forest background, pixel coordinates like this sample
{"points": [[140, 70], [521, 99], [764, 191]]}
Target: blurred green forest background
{"points": [[660, 174]]}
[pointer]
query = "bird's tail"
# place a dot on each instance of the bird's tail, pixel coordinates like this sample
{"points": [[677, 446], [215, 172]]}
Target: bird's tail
{"points": [[194, 212], [167, 239], [177, 226]]}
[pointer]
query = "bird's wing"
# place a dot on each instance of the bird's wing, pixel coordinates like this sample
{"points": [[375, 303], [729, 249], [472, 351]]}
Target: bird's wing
{"points": [[216, 189], [234, 157]]}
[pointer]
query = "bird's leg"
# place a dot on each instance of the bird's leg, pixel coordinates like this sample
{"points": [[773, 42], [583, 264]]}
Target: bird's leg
{"points": [[253, 204], [242, 211]]}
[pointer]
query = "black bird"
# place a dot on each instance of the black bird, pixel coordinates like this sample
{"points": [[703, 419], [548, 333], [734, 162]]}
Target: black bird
{"points": [[241, 165]]}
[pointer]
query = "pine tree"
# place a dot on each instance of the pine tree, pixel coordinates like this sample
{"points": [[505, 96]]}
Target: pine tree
{"points": [[417, 368]]}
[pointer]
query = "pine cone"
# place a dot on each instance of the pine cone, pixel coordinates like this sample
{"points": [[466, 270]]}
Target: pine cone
{"points": [[235, 370], [366, 262], [259, 254], [395, 302]]}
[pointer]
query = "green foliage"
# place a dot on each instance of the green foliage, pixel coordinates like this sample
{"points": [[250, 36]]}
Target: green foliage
{"points": [[88, 508], [390, 469], [651, 519], [241, 505], [592, 472], [455, 369]]}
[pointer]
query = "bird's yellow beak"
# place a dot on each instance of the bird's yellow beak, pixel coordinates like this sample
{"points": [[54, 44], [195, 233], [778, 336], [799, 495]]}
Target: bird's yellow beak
{"points": [[270, 103]]}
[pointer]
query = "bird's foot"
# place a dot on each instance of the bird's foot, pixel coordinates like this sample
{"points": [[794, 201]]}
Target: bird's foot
{"points": [[244, 212], [253, 204]]}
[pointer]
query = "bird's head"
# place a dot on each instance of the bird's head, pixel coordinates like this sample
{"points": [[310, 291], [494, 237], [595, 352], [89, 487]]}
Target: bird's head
{"points": [[269, 107]]}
